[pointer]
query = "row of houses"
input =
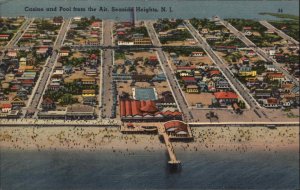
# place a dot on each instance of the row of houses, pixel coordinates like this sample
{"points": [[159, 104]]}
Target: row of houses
{"points": [[90, 35], [270, 88], [18, 78], [126, 34]]}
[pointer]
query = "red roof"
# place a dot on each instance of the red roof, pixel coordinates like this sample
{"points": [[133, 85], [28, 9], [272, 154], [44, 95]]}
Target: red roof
{"points": [[148, 106], [142, 108], [215, 72], [93, 56], [120, 33], [272, 101], [135, 107], [275, 75], [6, 105], [225, 95], [96, 24], [247, 28], [153, 58], [4, 35], [27, 81], [15, 87], [48, 101], [192, 79], [176, 125]]}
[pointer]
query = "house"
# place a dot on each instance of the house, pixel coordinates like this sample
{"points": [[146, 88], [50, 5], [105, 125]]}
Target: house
{"points": [[22, 94], [204, 31], [4, 36], [185, 74], [244, 60], [159, 77], [48, 104], [54, 86], [222, 84], [271, 68], [58, 20], [280, 58], [22, 62], [226, 98], [28, 83], [246, 71], [180, 69], [251, 53], [214, 72], [276, 76], [5, 108], [211, 86], [247, 28], [91, 72], [197, 54], [212, 38], [28, 36], [167, 100], [64, 53], [192, 89], [189, 80], [125, 43], [202, 86], [262, 93], [272, 52], [225, 48], [12, 53], [88, 81], [152, 60], [142, 41], [269, 31], [271, 103], [181, 27], [198, 74], [248, 33], [78, 111], [77, 19], [92, 41], [96, 25], [89, 97], [42, 50], [47, 42], [17, 102]]}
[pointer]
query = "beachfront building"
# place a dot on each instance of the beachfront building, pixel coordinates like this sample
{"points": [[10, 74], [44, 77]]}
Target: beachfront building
{"points": [[145, 111], [176, 128]]}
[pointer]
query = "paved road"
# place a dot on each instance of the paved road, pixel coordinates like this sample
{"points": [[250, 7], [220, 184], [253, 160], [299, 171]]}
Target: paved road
{"points": [[168, 72], [107, 98], [152, 33], [279, 32], [258, 50], [16, 37], [242, 91], [48, 68]]}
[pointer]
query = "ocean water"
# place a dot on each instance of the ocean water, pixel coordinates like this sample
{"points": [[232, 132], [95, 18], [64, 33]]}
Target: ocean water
{"points": [[83, 170], [181, 8]]}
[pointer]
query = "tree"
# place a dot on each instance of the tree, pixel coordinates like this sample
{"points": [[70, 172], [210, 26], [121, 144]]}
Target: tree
{"points": [[67, 99]]}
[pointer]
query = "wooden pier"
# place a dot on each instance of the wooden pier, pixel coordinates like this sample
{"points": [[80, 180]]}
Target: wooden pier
{"points": [[173, 160]]}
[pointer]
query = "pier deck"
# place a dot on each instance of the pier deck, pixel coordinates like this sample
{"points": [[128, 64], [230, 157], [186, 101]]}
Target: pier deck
{"points": [[173, 159]]}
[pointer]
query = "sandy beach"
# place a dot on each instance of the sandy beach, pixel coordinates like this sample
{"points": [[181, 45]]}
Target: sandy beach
{"points": [[239, 139]]}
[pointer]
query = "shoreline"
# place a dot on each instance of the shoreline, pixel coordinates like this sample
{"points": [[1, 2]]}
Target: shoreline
{"points": [[231, 139]]}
